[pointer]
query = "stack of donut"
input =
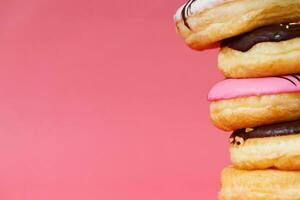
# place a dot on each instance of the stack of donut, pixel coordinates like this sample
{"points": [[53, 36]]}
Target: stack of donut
{"points": [[259, 101]]}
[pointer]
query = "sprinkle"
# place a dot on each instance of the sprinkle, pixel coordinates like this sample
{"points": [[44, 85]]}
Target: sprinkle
{"points": [[277, 36], [249, 130]]}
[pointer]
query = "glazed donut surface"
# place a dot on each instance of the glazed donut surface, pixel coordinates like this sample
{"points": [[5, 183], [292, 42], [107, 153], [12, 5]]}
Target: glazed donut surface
{"points": [[231, 18]]}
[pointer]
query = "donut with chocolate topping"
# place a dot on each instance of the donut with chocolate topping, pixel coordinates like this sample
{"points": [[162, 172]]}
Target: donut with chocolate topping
{"points": [[268, 51], [204, 23], [272, 146]]}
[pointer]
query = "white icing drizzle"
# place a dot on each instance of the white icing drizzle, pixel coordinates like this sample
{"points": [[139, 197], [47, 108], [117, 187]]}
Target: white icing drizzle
{"points": [[198, 6]]}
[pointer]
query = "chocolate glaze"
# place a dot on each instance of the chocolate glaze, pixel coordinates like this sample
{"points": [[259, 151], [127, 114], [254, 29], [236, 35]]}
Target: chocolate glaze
{"points": [[272, 33], [281, 129], [186, 11]]}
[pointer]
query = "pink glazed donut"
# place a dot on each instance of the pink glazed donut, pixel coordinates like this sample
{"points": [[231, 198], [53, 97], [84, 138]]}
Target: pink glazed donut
{"points": [[204, 23], [253, 102]]}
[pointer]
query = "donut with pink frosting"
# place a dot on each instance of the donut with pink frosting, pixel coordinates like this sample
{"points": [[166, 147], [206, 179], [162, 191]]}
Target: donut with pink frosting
{"points": [[205, 23], [247, 103]]}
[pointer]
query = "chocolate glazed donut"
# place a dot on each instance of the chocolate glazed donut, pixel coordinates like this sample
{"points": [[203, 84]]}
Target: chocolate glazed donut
{"points": [[267, 51], [273, 146]]}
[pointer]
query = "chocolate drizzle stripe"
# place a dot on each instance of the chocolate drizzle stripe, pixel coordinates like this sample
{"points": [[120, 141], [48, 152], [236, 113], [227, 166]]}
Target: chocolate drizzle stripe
{"points": [[296, 77], [291, 81], [186, 11]]}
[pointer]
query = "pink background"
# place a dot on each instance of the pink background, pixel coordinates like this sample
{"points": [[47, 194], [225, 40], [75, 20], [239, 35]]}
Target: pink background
{"points": [[101, 100]]}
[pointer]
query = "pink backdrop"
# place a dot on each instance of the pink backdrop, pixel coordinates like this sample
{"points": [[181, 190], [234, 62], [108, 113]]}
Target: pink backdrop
{"points": [[101, 100]]}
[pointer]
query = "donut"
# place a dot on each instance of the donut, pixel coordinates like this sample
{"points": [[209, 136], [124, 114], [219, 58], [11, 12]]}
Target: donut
{"points": [[272, 50], [271, 146], [253, 102], [204, 23], [259, 185]]}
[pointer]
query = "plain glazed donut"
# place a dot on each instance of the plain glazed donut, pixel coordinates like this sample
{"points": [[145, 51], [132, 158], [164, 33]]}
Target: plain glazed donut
{"points": [[203, 23], [259, 185], [273, 146], [279, 55], [248, 103]]}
